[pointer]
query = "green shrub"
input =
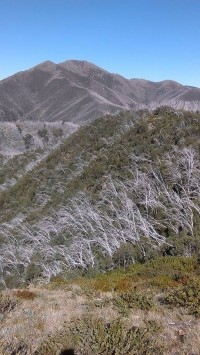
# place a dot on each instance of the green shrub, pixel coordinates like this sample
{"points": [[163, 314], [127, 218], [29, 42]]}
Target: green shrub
{"points": [[13, 280], [127, 300], [91, 336], [124, 256], [97, 337], [33, 272], [187, 296]]}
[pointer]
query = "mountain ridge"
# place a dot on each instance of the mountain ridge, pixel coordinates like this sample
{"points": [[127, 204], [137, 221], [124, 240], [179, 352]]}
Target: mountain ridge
{"points": [[79, 91]]}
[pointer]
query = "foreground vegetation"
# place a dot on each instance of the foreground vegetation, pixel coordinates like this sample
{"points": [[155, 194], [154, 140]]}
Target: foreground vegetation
{"points": [[150, 308]]}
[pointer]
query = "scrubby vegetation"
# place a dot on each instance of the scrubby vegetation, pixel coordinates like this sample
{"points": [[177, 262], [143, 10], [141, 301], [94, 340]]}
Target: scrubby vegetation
{"points": [[148, 308], [186, 295], [120, 190]]}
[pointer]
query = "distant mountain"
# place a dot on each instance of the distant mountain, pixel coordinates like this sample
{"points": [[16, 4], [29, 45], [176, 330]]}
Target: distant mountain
{"points": [[77, 91]]}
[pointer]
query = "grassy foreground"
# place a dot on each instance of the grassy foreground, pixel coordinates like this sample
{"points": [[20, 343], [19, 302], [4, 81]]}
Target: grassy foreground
{"points": [[150, 308]]}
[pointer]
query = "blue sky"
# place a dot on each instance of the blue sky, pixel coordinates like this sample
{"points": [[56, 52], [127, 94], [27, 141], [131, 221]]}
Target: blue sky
{"points": [[150, 39]]}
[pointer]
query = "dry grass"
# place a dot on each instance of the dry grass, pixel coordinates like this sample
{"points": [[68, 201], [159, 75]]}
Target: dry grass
{"points": [[29, 324], [40, 315]]}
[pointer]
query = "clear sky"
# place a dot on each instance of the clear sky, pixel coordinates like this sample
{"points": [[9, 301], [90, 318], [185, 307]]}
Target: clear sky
{"points": [[150, 39]]}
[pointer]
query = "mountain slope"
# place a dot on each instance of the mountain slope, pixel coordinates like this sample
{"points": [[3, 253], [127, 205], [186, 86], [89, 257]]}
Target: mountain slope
{"points": [[78, 91], [132, 178]]}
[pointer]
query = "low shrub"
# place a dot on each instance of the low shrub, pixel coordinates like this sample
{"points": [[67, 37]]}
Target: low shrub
{"points": [[91, 336], [126, 301], [187, 296], [94, 337]]}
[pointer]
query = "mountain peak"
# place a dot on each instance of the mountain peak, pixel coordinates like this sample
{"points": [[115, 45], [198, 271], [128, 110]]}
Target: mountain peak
{"points": [[80, 66], [46, 65]]}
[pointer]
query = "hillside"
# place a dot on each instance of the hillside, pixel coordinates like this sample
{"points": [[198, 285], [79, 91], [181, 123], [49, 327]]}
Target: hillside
{"points": [[24, 144], [78, 91], [124, 187], [99, 235]]}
